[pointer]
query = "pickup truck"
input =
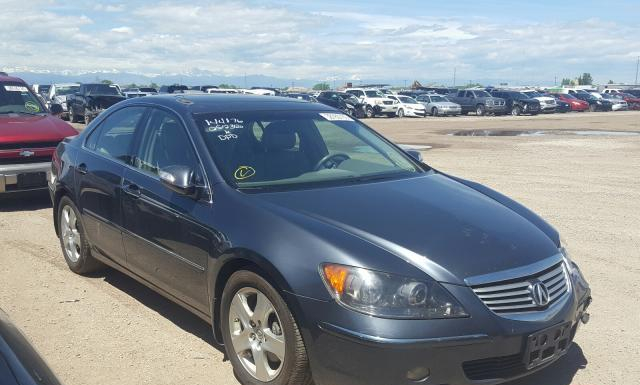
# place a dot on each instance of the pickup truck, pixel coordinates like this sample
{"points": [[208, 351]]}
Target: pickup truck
{"points": [[478, 101], [29, 135], [91, 99]]}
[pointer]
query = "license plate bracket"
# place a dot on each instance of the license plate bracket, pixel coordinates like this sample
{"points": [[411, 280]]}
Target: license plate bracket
{"points": [[547, 345], [32, 180]]}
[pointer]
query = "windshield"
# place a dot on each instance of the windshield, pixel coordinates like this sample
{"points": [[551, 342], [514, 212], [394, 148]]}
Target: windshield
{"points": [[16, 97], [437, 99], [102, 89], [569, 96], [482, 94], [260, 149], [407, 100], [522, 96], [374, 94], [66, 90], [532, 94]]}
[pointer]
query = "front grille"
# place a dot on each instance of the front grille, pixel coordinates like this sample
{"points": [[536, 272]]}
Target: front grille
{"points": [[515, 296], [31, 159], [28, 145], [494, 368], [387, 102]]}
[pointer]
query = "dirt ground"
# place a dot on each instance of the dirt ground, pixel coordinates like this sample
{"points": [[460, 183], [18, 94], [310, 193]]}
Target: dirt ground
{"points": [[110, 330]]}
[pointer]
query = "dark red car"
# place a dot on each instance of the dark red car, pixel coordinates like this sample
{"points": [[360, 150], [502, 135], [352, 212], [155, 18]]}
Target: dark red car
{"points": [[29, 134], [575, 103], [632, 100]]}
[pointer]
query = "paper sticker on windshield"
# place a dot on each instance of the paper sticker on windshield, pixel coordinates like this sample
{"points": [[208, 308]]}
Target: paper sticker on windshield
{"points": [[223, 124], [31, 106], [244, 172], [16, 88], [333, 117]]}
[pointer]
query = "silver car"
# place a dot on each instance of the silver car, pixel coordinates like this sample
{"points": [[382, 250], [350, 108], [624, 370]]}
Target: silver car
{"points": [[439, 105]]}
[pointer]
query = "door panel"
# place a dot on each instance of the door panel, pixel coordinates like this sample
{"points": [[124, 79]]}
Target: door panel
{"points": [[163, 239]]}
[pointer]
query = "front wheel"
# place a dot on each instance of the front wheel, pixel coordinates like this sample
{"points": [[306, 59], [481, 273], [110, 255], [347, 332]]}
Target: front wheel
{"points": [[434, 111], [401, 113], [480, 110], [369, 112], [260, 335], [515, 111], [72, 116]]}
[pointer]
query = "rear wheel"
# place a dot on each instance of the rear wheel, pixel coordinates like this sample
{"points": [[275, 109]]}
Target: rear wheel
{"points": [[401, 113], [516, 111], [72, 116], [480, 111], [261, 337], [434, 111], [73, 241]]}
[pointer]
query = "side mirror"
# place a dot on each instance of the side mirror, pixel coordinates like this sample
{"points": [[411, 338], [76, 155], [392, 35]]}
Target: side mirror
{"points": [[56, 109], [415, 154], [178, 179]]}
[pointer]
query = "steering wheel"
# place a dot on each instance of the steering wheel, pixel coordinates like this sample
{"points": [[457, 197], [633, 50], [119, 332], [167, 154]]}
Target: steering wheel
{"points": [[331, 161]]}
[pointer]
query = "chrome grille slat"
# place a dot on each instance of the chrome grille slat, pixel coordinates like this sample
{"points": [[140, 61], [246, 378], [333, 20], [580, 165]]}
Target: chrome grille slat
{"points": [[513, 294]]}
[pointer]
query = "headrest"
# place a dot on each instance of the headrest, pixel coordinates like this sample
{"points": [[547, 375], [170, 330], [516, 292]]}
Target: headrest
{"points": [[279, 135]]}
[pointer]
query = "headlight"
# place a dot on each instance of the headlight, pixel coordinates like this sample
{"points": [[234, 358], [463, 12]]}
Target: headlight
{"points": [[574, 271], [388, 295], [378, 102]]}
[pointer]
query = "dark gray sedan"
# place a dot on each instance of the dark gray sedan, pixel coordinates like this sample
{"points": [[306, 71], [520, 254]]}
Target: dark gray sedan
{"points": [[318, 250]]}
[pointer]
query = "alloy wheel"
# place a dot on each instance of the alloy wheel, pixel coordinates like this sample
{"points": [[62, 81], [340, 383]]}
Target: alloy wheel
{"points": [[256, 334], [70, 234]]}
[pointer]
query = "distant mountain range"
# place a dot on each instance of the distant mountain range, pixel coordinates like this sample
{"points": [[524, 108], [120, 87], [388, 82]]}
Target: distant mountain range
{"points": [[203, 77]]}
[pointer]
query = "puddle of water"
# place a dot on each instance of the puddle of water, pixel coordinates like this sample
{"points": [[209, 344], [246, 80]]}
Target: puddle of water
{"points": [[542, 133]]}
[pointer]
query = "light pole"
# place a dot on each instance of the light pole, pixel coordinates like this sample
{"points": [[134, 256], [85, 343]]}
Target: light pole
{"points": [[637, 70]]}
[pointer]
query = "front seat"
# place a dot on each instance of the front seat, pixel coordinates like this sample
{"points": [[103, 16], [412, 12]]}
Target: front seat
{"points": [[281, 159]]}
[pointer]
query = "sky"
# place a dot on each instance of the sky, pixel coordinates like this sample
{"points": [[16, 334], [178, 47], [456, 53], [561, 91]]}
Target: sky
{"points": [[526, 42]]}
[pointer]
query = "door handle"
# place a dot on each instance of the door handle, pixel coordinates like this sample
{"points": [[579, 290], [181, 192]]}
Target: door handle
{"points": [[82, 168], [132, 189]]}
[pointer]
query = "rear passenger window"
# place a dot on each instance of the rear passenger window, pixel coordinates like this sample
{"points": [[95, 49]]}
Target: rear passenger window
{"points": [[114, 136]]}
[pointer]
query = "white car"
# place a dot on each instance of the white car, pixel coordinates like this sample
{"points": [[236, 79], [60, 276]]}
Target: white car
{"points": [[58, 95], [611, 91], [408, 106], [375, 102], [618, 103], [223, 91], [547, 103]]}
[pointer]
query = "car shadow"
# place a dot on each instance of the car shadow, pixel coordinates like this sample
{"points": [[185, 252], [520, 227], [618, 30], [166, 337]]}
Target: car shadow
{"points": [[25, 201], [558, 373], [179, 316]]}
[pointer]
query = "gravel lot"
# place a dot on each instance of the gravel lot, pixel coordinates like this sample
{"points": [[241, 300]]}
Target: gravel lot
{"points": [[108, 329]]}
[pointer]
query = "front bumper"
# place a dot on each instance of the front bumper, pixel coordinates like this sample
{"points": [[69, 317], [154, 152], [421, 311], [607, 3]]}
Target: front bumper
{"points": [[387, 108], [482, 349], [415, 113], [12, 175], [496, 109]]}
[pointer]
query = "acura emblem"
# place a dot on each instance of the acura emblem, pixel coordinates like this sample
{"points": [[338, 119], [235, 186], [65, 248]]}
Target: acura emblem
{"points": [[539, 293], [27, 153]]}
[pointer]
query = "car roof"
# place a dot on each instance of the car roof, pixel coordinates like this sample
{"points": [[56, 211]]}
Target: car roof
{"points": [[214, 103], [11, 79]]}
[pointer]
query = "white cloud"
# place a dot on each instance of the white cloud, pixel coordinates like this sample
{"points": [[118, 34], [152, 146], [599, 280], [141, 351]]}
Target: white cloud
{"points": [[239, 37]]}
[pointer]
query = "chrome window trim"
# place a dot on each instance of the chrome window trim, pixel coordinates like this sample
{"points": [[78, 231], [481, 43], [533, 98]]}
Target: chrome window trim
{"points": [[515, 273]]}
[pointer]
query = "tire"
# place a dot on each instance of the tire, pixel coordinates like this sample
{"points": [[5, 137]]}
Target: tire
{"points": [[516, 111], [369, 112], [72, 116], [480, 111], [73, 241], [593, 107], [87, 117], [245, 290], [434, 111], [401, 113]]}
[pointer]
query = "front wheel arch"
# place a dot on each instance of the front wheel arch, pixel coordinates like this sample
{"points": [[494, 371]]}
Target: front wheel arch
{"points": [[242, 259]]}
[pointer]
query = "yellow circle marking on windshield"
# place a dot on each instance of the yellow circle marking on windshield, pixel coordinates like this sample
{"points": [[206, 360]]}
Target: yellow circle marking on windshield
{"points": [[31, 106], [244, 172]]}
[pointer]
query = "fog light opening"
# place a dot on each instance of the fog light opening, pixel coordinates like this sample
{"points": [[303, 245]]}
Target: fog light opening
{"points": [[419, 374]]}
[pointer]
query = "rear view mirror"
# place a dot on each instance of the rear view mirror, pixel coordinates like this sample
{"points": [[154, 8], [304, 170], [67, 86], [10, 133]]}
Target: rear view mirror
{"points": [[178, 179], [56, 109]]}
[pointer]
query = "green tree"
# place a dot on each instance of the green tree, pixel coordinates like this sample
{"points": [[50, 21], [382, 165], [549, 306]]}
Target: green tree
{"points": [[585, 79], [225, 85], [321, 86], [105, 81], [611, 82], [566, 82]]}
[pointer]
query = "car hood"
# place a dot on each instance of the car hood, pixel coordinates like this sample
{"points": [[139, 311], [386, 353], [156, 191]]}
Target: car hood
{"points": [[446, 104], [429, 217], [26, 128], [417, 106]]}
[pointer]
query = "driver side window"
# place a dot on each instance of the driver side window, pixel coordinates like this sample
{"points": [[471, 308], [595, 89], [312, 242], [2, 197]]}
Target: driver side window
{"points": [[164, 143]]}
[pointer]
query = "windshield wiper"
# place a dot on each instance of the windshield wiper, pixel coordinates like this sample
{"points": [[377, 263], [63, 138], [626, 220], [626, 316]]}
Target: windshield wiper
{"points": [[19, 112]]}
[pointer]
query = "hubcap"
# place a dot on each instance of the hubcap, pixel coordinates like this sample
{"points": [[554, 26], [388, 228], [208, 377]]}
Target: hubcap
{"points": [[256, 334], [70, 234]]}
